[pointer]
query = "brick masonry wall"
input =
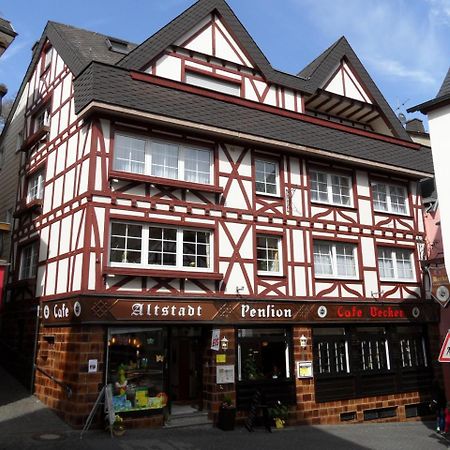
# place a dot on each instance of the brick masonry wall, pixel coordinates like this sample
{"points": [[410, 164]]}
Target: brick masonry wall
{"points": [[213, 393], [64, 354], [310, 412]]}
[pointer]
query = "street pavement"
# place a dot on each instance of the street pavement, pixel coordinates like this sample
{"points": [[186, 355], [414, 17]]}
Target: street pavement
{"points": [[25, 423]]}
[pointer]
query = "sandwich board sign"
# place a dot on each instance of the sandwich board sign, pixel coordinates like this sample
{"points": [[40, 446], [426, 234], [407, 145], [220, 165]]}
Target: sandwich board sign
{"points": [[444, 355]]}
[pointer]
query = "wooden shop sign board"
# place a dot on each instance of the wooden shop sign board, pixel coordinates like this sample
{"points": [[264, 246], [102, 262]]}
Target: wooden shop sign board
{"points": [[108, 310], [440, 286], [444, 355]]}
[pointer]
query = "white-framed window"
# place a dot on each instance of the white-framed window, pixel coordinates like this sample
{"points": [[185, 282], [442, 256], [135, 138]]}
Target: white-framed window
{"points": [[154, 246], [267, 179], [331, 188], [390, 198], [28, 261], [335, 259], [395, 263], [47, 59], [213, 83], [159, 158], [35, 186], [268, 255], [41, 119]]}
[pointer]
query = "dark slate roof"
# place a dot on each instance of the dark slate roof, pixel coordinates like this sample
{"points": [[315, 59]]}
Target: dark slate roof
{"points": [[442, 98], [79, 47], [323, 66], [115, 86], [6, 27], [182, 24], [445, 88]]}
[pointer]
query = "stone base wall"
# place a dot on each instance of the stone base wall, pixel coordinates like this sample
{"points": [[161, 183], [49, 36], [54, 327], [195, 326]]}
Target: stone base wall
{"points": [[64, 353]]}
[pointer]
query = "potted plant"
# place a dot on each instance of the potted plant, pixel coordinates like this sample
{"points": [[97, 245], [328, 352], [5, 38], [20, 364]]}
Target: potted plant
{"points": [[118, 428], [227, 414], [279, 414]]}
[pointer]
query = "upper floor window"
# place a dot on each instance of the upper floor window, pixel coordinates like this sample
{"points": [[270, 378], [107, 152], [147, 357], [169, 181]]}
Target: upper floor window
{"points": [[334, 259], [331, 188], [41, 118], [153, 246], [46, 59], [227, 86], [35, 186], [162, 159], [28, 261], [390, 198], [268, 254], [395, 263], [266, 173]]}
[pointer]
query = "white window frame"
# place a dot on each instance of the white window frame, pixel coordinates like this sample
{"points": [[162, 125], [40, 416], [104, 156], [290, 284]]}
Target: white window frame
{"points": [[27, 272], [278, 272], [334, 263], [217, 84], [277, 178], [389, 208], [179, 248], [44, 113], [35, 186], [182, 150], [330, 200], [393, 251]]}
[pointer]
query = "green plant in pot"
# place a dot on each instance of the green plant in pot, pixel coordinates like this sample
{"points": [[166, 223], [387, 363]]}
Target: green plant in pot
{"points": [[227, 414], [118, 427], [279, 414]]}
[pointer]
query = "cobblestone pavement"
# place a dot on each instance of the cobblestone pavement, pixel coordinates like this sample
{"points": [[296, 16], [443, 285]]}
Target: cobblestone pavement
{"points": [[26, 424]]}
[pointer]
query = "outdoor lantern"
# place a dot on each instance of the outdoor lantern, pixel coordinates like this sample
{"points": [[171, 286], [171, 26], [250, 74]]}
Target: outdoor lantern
{"points": [[303, 341], [224, 343]]}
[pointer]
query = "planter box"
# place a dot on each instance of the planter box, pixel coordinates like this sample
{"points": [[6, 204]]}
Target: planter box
{"points": [[227, 418]]}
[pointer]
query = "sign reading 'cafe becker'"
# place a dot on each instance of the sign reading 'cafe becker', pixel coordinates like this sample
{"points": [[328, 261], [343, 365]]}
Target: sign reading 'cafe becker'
{"points": [[106, 310]]}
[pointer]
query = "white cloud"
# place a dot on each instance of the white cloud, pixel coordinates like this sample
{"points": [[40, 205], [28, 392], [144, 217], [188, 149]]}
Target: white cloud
{"points": [[392, 37]]}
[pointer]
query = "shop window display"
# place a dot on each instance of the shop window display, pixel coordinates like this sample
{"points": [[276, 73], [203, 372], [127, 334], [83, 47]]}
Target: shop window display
{"points": [[136, 359]]}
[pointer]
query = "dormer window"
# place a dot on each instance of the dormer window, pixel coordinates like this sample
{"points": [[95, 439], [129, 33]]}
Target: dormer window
{"points": [[117, 45], [46, 59], [215, 83]]}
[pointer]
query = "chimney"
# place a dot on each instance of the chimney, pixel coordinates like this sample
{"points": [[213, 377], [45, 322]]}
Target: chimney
{"points": [[415, 125]]}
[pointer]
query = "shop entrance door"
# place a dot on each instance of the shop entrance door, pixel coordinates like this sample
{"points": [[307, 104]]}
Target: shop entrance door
{"points": [[185, 368]]}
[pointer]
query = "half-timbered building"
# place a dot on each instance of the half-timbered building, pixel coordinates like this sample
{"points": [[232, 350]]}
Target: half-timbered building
{"points": [[195, 224]]}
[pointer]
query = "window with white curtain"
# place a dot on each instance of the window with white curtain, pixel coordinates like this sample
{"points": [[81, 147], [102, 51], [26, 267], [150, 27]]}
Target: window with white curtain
{"points": [[35, 186], [268, 250], [390, 198], [395, 263], [266, 177], [165, 159], [331, 188], [334, 259], [153, 246]]}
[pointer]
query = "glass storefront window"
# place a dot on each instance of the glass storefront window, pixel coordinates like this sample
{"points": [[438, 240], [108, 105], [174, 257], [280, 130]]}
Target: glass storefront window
{"points": [[136, 358], [263, 354]]}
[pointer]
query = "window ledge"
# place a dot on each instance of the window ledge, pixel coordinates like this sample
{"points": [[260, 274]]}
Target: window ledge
{"points": [[270, 275], [159, 181], [24, 207], [34, 138], [389, 213], [334, 278], [333, 205], [145, 272], [398, 280], [269, 196]]}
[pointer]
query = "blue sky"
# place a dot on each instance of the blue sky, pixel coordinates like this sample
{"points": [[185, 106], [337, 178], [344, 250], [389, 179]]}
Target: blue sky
{"points": [[404, 44]]}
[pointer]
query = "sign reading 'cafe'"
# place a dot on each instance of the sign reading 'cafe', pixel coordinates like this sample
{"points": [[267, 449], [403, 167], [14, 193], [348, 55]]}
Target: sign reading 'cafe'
{"points": [[106, 310]]}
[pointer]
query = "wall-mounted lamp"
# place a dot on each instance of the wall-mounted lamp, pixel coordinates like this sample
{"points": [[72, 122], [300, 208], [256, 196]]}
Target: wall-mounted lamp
{"points": [[224, 343], [303, 341]]}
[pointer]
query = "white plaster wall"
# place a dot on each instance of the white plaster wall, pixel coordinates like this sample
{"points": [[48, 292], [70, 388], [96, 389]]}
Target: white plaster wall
{"points": [[169, 67], [439, 124]]}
